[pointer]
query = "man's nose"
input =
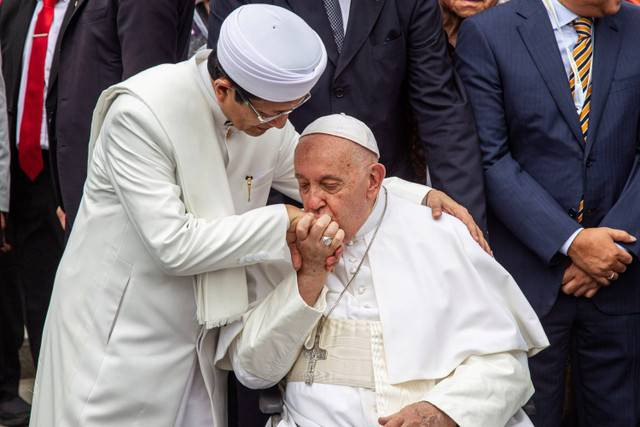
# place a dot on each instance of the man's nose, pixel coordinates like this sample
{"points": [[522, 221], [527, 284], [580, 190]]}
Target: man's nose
{"points": [[279, 122], [314, 201]]}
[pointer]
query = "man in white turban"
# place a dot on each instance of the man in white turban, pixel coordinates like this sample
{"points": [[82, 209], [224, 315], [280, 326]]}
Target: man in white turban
{"points": [[172, 226], [416, 325]]}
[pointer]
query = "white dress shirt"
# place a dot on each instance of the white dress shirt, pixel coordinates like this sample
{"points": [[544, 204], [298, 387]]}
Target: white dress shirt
{"points": [[54, 31], [345, 5]]}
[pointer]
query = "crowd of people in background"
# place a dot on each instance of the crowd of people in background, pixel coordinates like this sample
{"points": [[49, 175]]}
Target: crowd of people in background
{"points": [[526, 113]]}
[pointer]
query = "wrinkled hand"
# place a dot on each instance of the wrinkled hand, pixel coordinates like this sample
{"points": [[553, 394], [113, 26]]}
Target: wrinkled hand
{"points": [[294, 213], [309, 232], [312, 272], [62, 217], [594, 251], [419, 414], [4, 246], [296, 256], [578, 283], [439, 202]]}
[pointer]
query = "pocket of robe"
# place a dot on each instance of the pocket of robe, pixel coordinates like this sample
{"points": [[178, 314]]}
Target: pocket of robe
{"points": [[111, 296]]}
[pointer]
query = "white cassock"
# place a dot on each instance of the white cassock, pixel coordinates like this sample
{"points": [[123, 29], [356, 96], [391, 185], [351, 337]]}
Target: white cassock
{"points": [[438, 319], [122, 344]]}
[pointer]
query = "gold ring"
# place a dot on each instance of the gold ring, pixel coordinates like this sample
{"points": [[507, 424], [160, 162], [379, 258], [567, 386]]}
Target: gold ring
{"points": [[612, 276]]}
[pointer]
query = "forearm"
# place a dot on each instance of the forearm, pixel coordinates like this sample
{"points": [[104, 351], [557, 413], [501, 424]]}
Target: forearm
{"points": [[273, 334], [484, 390], [138, 163], [625, 215]]}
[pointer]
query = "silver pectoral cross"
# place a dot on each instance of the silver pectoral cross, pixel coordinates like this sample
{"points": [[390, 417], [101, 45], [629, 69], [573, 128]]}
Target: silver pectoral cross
{"points": [[313, 354]]}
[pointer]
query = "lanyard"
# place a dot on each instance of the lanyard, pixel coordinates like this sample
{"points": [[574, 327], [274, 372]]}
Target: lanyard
{"points": [[579, 93]]}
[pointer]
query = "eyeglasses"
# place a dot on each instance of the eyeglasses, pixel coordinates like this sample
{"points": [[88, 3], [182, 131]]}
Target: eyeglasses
{"points": [[262, 119]]}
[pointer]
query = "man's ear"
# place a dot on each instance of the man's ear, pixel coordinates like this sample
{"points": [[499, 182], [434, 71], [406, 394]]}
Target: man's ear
{"points": [[222, 88], [377, 173]]}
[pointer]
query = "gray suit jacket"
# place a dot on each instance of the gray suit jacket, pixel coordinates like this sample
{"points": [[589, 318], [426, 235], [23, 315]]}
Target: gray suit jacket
{"points": [[5, 152]]}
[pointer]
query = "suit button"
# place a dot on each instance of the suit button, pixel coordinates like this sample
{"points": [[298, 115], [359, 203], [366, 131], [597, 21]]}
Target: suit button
{"points": [[589, 163], [339, 92]]}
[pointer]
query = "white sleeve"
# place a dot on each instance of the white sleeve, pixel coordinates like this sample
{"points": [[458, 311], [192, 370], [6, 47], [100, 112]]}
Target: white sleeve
{"points": [[140, 165], [484, 390], [406, 189], [272, 336]]}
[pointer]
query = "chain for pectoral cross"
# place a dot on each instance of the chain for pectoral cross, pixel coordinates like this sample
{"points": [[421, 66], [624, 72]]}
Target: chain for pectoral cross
{"points": [[316, 353]]}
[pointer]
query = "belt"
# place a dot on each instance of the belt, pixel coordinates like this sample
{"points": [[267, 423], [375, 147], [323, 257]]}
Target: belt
{"points": [[349, 354]]}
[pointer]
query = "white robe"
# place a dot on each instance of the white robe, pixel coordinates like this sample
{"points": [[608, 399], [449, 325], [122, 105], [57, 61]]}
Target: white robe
{"points": [[122, 346], [490, 379]]}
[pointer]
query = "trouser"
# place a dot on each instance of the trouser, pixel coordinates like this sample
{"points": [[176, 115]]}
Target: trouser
{"points": [[37, 239], [243, 407], [11, 327], [605, 365]]}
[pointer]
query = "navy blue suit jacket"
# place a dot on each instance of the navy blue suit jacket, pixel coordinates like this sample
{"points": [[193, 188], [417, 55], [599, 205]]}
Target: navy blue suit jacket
{"points": [[536, 163], [394, 63]]}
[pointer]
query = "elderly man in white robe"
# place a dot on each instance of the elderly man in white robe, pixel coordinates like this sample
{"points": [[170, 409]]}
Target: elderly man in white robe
{"points": [[173, 224], [415, 326]]}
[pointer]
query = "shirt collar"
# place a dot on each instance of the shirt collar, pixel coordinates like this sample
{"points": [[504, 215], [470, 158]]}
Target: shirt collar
{"points": [[205, 84], [374, 217], [565, 16]]}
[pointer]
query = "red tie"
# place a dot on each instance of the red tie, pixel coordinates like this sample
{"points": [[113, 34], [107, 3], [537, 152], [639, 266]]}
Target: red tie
{"points": [[29, 151]]}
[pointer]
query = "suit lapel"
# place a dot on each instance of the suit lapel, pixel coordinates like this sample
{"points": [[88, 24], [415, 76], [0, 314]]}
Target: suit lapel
{"points": [[314, 14], [606, 48], [537, 34], [72, 9], [363, 15]]}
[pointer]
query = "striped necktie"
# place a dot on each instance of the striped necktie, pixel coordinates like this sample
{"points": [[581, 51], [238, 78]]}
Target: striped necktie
{"points": [[583, 56]]}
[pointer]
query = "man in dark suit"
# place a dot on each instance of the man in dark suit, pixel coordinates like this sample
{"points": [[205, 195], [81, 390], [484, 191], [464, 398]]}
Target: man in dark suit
{"points": [[391, 64], [103, 42], [562, 172], [28, 30]]}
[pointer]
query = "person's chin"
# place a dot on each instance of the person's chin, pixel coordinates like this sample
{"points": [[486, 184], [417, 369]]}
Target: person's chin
{"points": [[256, 131]]}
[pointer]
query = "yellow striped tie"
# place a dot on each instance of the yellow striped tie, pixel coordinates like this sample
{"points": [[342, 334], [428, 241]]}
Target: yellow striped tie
{"points": [[583, 55]]}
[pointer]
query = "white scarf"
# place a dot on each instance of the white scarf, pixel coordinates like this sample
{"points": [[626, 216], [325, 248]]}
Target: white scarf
{"points": [[221, 296]]}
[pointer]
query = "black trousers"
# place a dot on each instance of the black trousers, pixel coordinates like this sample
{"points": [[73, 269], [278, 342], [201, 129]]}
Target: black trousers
{"points": [[605, 365], [28, 271]]}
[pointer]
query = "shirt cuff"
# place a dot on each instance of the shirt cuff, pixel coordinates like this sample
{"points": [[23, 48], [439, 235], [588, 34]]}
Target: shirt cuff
{"points": [[565, 248]]}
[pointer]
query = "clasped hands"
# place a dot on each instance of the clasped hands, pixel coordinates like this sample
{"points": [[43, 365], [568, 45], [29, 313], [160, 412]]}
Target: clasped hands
{"points": [[316, 246], [305, 239], [596, 260]]}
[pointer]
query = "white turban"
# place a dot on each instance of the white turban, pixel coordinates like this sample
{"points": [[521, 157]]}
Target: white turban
{"points": [[346, 127], [270, 52]]}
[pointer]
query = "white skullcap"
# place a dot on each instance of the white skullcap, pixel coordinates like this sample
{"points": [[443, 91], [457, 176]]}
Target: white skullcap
{"points": [[346, 127], [270, 52]]}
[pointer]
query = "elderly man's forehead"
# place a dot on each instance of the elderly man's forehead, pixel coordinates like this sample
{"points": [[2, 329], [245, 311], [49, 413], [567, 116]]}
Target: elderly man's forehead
{"points": [[328, 143]]}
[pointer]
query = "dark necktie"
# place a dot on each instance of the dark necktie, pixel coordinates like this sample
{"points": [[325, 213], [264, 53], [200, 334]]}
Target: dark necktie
{"points": [[335, 19], [29, 151]]}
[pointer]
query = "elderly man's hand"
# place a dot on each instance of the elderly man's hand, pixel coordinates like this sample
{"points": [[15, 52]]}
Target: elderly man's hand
{"points": [[594, 250], [419, 414], [578, 283], [439, 202], [313, 253], [296, 257]]}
